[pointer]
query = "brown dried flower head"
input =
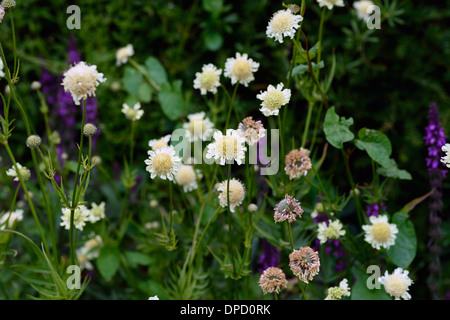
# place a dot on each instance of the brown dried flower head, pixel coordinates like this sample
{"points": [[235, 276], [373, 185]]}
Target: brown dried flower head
{"points": [[297, 163], [251, 130], [287, 209], [272, 279], [304, 263]]}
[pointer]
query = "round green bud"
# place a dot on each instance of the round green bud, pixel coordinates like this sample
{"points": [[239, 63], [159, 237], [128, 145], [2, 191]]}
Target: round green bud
{"points": [[33, 141], [89, 129], [8, 4]]}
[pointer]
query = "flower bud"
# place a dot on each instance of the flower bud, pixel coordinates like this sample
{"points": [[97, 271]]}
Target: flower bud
{"points": [[8, 4], [33, 141], [89, 129]]}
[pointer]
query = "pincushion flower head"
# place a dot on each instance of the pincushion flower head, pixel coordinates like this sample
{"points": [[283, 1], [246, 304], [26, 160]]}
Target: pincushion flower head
{"points": [[82, 80], [199, 127], [2, 74], [336, 293], [2, 14], [330, 3], [362, 7], [208, 80], [304, 263], [283, 24], [380, 233], [287, 209], [80, 217], [273, 99], [163, 163], [187, 177], [227, 148], [132, 113], [8, 219], [397, 284], [331, 230], [97, 212], [24, 172], [446, 159], [297, 163], [123, 54], [237, 193], [251, 130], [272, 280], [241, 68], [156, 144]]}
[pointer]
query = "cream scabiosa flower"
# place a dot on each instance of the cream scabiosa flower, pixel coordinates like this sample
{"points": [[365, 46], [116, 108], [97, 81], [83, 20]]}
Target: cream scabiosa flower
{"points": [[362, 7], [8, 219], [208, 80], [163, 163], [2, 74], [446, 159], [227, 148], [273, 99], [330, 3], [187, 177], [336, 293], [380, 233], [134, 113], [333, 230], [199, 127], [241, 68], [237, 193], [283, 24], [156, 144], [397, 284], [24, 172], [123, 54], [97, 212], [80, 217], [82, 81]]}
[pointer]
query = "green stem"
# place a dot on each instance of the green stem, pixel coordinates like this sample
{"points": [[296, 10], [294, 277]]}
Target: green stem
{"points": [[360, 213], [232, 106], [307, 124]]}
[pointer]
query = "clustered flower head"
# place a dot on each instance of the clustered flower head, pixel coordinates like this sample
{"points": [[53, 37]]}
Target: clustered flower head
{"points": [[199, 127], [156, 144], [208, 80], [123, 54], [24, 172], [283, 24], [97, 212], [380, 233], [304, 263], [2, 14], [237, 193], [336, 293], [297, 163], [227, 148], [8, 219], [288, 209], [163, 163], [82, 80], [446, 159], [80, 217], [251, 130], [273, 99], [272, 280], [8, 4], [331, 230], [241, 69], [132, 113], [187, 177], [33, 141], [397, 284], [330, 3], [362, 8], [89, 251], [89, 129], [2, 74]]}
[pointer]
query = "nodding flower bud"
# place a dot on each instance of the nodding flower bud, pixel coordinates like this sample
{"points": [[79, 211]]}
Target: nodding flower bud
{"points": [[252, 207], [8, 4], [89, 129], [33, 141]]}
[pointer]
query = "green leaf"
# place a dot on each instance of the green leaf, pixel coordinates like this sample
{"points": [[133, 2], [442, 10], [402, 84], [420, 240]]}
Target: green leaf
{"points": [[302, 68], [132, 80], [402, 253], [171, 99], [144, 92], [376, 144], [302, 56], [360, 291], [212, 39], [108, 261], [72, 166], [156, 70], [392, 171], [337, 129], [213, 6], [137, 258]]}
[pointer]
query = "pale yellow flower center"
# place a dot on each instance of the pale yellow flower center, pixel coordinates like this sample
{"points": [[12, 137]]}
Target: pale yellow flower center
{"points": [[208, 79], [282, 22], [274, 99], [237, 192], [185, 175], [197, 126], [241, 69], [131, 114], [82, 259], [162, 163], [381, 231], [227, 147], [395, 285], [159, 144], [91, 244], [25, 173]]}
